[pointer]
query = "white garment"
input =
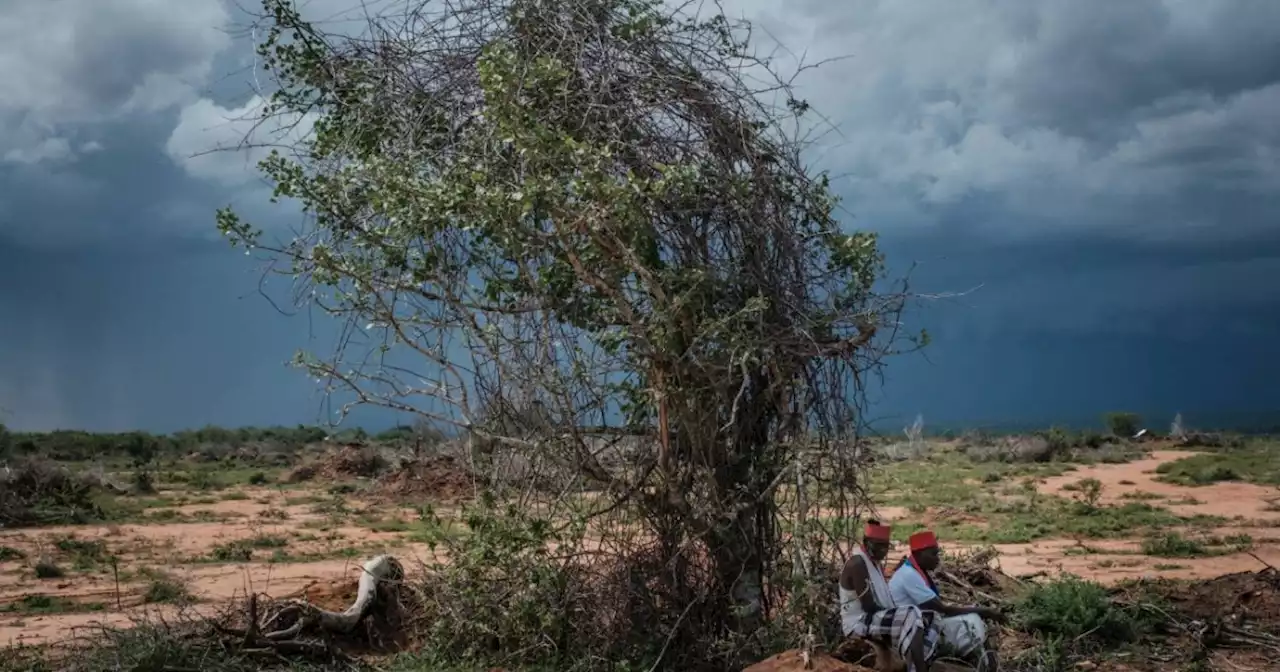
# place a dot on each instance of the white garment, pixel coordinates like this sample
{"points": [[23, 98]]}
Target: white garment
{"points": [[851, 611], [961, 635]]}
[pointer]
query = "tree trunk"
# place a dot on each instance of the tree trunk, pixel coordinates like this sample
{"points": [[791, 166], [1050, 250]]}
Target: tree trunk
{"points": [[737, 551]]}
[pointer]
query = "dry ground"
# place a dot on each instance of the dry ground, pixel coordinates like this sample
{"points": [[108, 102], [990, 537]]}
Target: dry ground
{"points": [[303, 539]]}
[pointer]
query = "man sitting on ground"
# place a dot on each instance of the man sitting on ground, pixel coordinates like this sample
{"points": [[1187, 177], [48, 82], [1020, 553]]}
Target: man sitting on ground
{"points": [[964, 634], [867, 608]]}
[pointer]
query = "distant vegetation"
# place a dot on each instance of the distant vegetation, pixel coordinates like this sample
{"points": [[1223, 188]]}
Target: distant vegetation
{"points": [[143, 447]]}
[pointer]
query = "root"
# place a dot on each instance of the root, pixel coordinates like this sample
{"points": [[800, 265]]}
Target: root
{"points": [[299, 629]]}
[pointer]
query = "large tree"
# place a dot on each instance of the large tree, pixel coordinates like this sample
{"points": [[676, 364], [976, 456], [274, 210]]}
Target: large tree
{"points": [[550, 221]]}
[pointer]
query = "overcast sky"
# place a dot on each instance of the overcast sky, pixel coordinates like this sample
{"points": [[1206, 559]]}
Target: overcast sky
{"points": [[1105, 173]]}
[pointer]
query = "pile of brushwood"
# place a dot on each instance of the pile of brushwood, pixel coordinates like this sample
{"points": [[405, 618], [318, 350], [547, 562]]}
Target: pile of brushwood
{"points": [[36, 492]]}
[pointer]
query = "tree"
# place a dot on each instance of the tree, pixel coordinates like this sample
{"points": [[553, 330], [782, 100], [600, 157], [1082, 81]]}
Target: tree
{"points": [[141, 447], [587, 208], [1123, 424]]}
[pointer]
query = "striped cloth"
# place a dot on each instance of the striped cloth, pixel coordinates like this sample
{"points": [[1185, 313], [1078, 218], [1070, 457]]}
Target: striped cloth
{"points": [[897, 626]]}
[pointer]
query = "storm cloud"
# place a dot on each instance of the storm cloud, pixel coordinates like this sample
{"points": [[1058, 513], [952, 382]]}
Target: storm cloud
{"points": [[1102, 175]]}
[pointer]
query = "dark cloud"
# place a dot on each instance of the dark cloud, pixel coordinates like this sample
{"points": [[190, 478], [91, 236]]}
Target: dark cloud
{"points": [[129, 193], [1151, 118], [1105, 174]]}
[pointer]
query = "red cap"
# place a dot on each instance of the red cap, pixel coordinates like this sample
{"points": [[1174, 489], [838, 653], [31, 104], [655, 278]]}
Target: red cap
{"points": [[876, 531], [922, 540]]}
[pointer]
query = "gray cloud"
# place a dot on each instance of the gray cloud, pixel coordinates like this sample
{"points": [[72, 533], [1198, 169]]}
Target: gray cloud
{"points": [[68, 64], [1140, 118], [82, 81]]}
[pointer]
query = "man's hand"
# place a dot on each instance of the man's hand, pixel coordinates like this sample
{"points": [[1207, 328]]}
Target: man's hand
{"points": [[989, 614]]}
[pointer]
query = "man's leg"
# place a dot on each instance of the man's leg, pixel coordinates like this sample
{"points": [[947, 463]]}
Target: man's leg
{"points": [[989, 662], [915, 651]]}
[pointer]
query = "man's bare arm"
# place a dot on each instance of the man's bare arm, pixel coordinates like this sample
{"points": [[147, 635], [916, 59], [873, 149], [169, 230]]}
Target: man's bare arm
{"points": [[946, 609], [854, 577]]}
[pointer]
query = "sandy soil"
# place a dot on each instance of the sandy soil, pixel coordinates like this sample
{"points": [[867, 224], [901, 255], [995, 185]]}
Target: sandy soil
{"points": [[1229, 500], [1247, 506], [1113, 561], [182, 550]]}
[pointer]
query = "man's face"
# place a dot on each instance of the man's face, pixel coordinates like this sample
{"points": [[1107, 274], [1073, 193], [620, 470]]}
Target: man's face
{"points": [[879, 550], [930, 558]]}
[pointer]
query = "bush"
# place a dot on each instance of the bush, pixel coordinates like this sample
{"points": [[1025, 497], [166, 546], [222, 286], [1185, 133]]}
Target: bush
{"points": [[47, 569], [258, 478], [143, 482], [1173, 545], [1123, 424], [1071, 608], [235, 551], [501, 593], [205, 480], [166, 590]]}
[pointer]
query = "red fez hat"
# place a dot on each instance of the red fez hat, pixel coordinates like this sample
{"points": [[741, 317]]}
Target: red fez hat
{"points": [[922, 540], [877, 531]]}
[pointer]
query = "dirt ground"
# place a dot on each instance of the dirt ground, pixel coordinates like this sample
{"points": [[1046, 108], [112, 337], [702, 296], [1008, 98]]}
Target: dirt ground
{"points": [[307, 550], [1249, 509], [317, 552]]}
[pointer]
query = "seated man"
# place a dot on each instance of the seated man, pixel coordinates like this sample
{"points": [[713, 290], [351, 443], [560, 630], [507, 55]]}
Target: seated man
{"points": [[867, 609], [964, 634]]}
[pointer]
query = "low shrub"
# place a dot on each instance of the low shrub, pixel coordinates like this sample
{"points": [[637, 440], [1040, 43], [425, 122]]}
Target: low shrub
{"points": [[1071, 608]]}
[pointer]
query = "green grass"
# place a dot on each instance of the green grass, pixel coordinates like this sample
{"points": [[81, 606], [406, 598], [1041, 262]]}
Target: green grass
{"points": [[164, 516], [947, 479], [1140, 496], [50, 604], [388, 525], [1175, 545], [268, 541], [84, 554], [1024, 515], [1258, 464], [9, 554], [206, 478], [1002, 504], [298, 500]]}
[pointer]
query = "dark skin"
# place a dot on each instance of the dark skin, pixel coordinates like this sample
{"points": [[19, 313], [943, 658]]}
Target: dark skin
{"points": [[930, 559], [854, 577]]}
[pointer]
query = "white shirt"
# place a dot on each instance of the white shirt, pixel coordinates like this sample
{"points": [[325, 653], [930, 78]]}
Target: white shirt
{"points": [[909, 587]]}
